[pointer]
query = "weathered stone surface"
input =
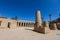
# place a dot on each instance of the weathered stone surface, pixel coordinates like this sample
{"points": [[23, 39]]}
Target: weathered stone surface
{"points": [[46, 28], [9, 23], [53, 26], [58, 26], [41, 28], [45, 24], [38, 20]]}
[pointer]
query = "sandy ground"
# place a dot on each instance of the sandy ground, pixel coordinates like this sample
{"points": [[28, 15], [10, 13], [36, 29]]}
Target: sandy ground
{"points": [[24, 33]]}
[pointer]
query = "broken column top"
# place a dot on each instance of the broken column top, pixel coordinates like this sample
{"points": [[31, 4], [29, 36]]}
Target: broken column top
{"points": [[38, 11]]}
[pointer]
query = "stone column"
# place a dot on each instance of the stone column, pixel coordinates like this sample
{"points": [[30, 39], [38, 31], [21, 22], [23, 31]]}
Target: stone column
{"points": [[38, 27], [24, 24], [38, 19], [21, 24]]}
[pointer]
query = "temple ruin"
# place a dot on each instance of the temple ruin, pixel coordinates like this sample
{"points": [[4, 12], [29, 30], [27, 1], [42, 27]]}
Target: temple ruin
{"points": [[39, 26], [10, 23], [45, 27]]}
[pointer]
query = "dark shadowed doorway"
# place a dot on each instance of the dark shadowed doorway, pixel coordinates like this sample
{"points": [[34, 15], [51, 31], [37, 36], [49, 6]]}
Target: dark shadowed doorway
{"points": [[9, 24]]}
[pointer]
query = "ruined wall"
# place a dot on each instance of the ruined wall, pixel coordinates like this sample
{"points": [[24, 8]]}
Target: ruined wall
{"points": [[9, 23]]}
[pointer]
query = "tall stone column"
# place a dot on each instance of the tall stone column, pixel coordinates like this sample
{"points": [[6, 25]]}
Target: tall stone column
{"points": [[38, 19]]}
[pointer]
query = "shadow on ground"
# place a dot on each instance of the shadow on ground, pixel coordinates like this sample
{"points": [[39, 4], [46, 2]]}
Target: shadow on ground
{"points": [[34, 31]]}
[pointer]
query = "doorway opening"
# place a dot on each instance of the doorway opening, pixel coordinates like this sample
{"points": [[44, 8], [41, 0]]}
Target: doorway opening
{"points": [[9, 24]]}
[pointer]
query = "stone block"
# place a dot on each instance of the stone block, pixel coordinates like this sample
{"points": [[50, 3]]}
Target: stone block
{"points": [[53, 26], [43, 30]]}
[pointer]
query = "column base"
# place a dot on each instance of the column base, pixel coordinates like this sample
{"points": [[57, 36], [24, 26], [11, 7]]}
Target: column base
{"points": [[43, 30]]}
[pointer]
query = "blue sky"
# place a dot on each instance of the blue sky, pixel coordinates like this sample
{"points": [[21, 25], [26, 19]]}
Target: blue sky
{"points": [[25, 9]]}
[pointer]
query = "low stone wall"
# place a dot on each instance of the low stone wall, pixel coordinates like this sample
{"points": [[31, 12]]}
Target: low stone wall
{"points": [[43, 30]]}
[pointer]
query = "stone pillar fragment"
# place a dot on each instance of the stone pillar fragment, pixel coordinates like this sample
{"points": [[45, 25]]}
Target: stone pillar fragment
{"points": [[53, 26], [45, 24], [46, 27]]}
